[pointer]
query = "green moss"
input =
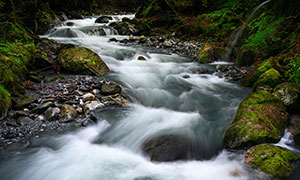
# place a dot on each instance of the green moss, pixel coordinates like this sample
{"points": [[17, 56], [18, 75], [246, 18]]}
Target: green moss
{"points": [[270, 78], [82, 61], [209, 53], [256, 122], [261, 68], [273, 160], [5, 102]]}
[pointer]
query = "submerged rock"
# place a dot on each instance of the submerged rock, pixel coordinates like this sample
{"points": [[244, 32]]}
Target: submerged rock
{"points": [[141, 58], [273, 160], [167, 148], [82, 61], [67, 33], [103, 19], [261, 118]]}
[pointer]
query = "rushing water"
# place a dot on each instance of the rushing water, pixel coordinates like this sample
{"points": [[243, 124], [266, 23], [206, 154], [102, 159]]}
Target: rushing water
{"points": [[164, 102]]}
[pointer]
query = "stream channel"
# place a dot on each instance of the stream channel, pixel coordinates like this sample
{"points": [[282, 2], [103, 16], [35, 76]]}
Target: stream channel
{"points": [[164, 102]]}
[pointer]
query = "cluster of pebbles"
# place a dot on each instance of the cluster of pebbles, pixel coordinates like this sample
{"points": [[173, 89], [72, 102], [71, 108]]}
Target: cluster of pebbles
{"points": [[57, 103], [171, 45]]}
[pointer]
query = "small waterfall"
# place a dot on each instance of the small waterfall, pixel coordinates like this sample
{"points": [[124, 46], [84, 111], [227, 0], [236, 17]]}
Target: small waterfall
{"points": [[236, 37], [67, 33], [101, 31]]}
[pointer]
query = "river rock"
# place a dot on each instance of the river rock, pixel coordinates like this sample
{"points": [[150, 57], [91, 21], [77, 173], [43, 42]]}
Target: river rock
{"points": [[103, 19], [270, 78], [68, 113], [91, 106], [88, 97], [82, 61], [24, 121], [273, 160], [115, 100], [210, 53], [141, 58], [288, 93], [22, 102], [124, 28], [66, 33], [261, 118], [110, 88], [202, 70], [42, 108], [52, 113], [167, 148]]}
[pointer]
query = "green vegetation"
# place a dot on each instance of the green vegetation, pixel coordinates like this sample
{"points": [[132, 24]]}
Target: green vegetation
{"points": [[273, 160], [256, 122]]}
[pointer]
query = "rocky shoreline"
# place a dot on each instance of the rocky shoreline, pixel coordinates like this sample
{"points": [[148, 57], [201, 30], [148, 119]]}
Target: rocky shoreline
{"points": [[58, 102]]}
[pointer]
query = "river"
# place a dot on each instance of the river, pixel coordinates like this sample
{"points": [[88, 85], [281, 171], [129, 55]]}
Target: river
{"points": [[164, 102]]}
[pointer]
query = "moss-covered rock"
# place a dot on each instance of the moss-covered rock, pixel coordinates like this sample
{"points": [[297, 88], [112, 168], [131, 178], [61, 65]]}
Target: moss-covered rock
{"points": [[110, 88], [270, 78], [273, 160], [5, 102], [22, 102], [68, 113], [261, 118], [210, 53], [288, 93], [259, 69], [82, 61]]}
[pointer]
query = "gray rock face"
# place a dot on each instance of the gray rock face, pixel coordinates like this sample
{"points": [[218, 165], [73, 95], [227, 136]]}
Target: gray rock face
{"points": [[167, 148]]}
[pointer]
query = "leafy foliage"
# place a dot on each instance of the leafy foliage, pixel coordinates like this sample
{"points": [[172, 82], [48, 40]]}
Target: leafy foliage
{"points": [[293, 72], [266, 32]]}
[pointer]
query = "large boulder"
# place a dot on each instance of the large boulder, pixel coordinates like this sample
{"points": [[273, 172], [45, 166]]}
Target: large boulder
{"points": [[259, 69], [270, 78], [273, 160], [167, 148], [210, 53], [82, 61], [261, 118], [124, 28]]}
